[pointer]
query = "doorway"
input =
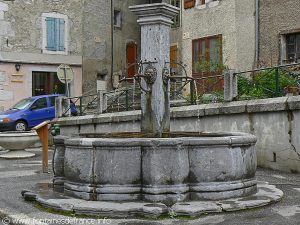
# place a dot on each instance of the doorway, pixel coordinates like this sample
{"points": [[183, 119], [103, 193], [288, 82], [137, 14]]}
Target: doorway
{"points": [[131, 51]]}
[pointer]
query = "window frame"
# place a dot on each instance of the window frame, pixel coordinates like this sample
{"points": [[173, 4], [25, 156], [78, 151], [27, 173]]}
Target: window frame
{"points": [[177, 19], [296, 43], [117, 18], [44, 35], [206, 55]]}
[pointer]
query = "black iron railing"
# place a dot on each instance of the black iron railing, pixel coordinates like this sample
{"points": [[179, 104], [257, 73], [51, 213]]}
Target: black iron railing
{"points": [[269, 82]]}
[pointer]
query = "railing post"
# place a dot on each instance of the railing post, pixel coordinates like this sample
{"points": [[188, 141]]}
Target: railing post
{"points": [[80, 106], [192, 92], [126, 100], [66, 107], [277, 81], [230, 85], [100, 102], [58, 107]]}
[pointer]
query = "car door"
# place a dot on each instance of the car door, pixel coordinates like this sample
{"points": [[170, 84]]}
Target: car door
{"points": [[39, 112], [52, 107]]}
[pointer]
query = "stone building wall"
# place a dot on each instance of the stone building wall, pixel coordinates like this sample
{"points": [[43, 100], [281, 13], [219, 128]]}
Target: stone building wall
{"points": [[97, 40], [21, 29], [233, 19], [22, 41], [276, 19]]}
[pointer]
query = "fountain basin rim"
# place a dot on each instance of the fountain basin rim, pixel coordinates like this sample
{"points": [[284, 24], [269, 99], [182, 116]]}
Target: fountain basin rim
{"points": [[18, 134], [202, 140]]}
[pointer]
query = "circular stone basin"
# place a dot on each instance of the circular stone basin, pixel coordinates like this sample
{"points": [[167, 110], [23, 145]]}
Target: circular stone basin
{"points": [[184, 167], [16, 142]]}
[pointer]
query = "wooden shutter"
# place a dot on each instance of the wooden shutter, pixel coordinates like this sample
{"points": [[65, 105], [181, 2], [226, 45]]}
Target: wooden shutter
{"points": [[61, 35], [51, 35], [173, 56], [189, 4]]}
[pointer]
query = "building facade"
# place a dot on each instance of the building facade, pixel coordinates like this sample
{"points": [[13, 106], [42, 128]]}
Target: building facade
{"points": [[111, 42], [279, 36], [218, 31], [35, 38]]}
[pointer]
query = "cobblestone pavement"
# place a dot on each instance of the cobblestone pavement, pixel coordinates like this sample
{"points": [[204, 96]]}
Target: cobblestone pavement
{"points": [[16, 175]]}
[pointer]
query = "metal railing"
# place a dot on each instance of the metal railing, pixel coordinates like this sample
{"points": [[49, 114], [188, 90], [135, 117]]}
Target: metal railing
{"points": [[268, 82], [258, 83]]}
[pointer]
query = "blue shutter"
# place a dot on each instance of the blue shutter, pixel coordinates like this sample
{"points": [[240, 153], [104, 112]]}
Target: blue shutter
{"points": [[61, 39], [51, 45]]}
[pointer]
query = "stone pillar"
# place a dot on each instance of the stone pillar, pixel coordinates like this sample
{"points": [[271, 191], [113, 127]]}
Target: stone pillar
{"points": [[155, 21], [58, 107], [230, 86]]}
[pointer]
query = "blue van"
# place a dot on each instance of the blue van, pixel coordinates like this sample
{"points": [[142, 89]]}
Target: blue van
{"points": [[30, 112]]}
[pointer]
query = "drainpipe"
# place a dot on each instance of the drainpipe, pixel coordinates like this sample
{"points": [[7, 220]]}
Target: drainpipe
{"points": [[112, 41], [256, 31]]}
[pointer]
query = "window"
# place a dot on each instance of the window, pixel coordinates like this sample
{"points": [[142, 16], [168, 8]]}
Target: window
{"points": [[44, 83], [176, 19], [293, 47], [207, 54], [117, 18], [189, 4], [52, 101], [203, 2], [40, 103], [55, 33], [200, 4]]}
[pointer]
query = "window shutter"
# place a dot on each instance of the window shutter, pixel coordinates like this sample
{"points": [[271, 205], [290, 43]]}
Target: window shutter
{"points": [[50, 34], [189, 4], [61, 39]]}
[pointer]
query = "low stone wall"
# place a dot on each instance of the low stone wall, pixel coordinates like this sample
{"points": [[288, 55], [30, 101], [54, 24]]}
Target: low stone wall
{"points": [[275, 122]]}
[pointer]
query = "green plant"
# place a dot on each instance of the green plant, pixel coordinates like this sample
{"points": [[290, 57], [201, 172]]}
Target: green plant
{"points": [[209, 67], [263, 84]]}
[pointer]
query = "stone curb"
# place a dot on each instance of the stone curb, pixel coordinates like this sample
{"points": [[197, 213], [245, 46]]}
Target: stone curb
{"points": [[267, 194]]}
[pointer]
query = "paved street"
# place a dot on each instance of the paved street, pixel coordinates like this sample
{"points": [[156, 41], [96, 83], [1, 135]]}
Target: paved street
{"points": [[16, 175]]}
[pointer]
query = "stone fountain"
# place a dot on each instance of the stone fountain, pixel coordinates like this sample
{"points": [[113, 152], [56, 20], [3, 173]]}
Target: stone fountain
{"points": [[16, 142], [156, 165]]}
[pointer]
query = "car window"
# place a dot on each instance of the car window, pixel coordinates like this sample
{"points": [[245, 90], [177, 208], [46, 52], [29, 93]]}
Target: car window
{"points": [[23, 104], [40, 103], [52, 101]]}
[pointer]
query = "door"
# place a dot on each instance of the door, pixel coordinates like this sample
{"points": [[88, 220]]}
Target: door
{"points": [[173, 56], [131, 49], [39, 112]]}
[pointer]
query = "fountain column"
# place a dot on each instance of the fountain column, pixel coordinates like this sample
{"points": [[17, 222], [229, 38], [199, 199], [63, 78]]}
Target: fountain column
{"points": [[155, 21]]}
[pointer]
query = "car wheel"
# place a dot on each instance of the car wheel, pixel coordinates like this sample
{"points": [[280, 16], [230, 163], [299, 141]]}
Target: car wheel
{"points": [[20, 126]]}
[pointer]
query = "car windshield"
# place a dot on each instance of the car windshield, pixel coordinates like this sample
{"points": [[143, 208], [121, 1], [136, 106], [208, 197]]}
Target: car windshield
{"points": [[23, 104]]}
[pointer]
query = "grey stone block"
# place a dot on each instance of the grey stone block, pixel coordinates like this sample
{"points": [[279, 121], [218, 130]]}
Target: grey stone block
{"points": [[195, 209], [213, 109], [266, 194], [78, 163], [293, 102], [267, 105], [59, 157], [233, 107], [165, 164], [188, 111]]}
